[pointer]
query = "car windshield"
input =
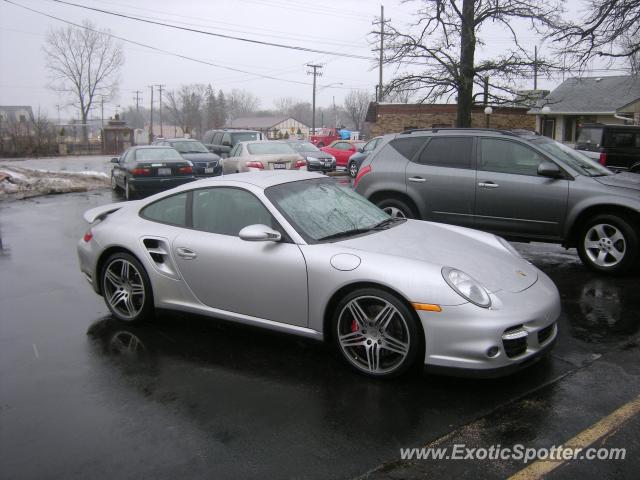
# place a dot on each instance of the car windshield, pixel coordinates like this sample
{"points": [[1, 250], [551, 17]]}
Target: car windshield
{"points": [[191, 146], [321, 209], [304, 147], [244, 137], [267, 148], [157, 154], [571, 157]]}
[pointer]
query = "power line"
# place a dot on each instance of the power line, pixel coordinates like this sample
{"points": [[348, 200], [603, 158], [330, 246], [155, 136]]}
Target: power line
{"points": [[203, 32]]}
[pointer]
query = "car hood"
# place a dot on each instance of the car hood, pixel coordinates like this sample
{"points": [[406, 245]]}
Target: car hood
{"points": [[200, 157], [622, 179], [476, 253]]}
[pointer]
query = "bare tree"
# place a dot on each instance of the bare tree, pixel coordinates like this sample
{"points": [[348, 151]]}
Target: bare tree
{"points": [[356, 104], [186, 107], [241, 102], [610, 30], [284, 105], [84, 63], [436, 60]]}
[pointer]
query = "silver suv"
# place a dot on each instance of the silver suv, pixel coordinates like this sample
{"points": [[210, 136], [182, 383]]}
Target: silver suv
{"points": [[521, 186]]}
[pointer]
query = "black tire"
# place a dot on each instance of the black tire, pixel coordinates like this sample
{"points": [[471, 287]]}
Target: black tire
{"points": [[353, 169], [127, 293], [128, 193], [397, 208], [374, 349], [609, 244]]}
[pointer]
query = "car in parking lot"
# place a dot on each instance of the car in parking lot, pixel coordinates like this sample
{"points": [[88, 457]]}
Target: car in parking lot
{"points": [[317, 160], [262, 155], [342, 150], [147, 169], [205, 163], [522, 186], [615, 146], [357, 158], [221, 141], [298, 253]]}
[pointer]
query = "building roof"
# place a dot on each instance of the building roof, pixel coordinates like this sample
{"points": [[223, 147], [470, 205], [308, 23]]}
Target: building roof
{"points": [[11, 112], [256, 123], [592, 95]]}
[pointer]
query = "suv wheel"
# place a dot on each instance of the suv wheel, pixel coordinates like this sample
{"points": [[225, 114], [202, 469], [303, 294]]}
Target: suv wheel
{"points": [[396, 208], [353, 169], [608, 244]]}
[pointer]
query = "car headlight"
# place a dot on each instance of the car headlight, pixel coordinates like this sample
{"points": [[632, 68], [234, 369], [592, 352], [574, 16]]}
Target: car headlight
{"points": [[311, 159], [510, 248], [465, 286]]}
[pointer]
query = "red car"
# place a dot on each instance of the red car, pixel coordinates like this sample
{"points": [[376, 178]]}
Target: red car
{"points": [[342, 150]]}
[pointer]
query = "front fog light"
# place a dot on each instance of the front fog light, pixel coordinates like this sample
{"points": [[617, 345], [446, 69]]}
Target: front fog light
{"points": [[466, 287]]}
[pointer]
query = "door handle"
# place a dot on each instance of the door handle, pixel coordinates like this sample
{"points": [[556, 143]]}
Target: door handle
{"points": [[417, 179], [488, 185], [186, 253]]}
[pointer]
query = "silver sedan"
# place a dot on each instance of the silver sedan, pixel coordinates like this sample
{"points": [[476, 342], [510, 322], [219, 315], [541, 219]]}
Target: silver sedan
{"points": [[298, 253]]}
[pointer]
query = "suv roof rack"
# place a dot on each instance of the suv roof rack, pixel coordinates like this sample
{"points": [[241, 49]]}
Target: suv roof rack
{"points": [[448, 129]]}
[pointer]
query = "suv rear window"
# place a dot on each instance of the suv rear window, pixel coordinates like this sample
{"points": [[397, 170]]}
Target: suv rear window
{"points": [[408, 147], [592, 136], [453, 152], [243, 137], [620, 139]]}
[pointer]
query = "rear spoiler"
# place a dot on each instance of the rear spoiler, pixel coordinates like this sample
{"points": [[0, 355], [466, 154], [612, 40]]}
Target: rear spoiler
{"points": [[99, 213]]}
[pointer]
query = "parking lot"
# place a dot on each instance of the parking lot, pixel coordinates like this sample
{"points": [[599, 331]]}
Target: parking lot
{"points": [[191, 397]]}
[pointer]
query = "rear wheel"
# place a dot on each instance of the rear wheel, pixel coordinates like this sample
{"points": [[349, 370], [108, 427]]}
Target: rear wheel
{"points": [[128, 193], [608, 244], [376, 333], [126, 288], [353, 169], [396, 208]]}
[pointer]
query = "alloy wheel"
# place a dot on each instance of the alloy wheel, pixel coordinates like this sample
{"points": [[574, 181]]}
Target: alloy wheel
{"points": [[605, 245], [394, 212], [353, 170], [124, 288], [373, 335]]}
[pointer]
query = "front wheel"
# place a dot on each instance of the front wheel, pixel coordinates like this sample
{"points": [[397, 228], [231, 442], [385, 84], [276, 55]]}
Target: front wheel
{"points": [[376, 333], [396, 208], [126, 288], [114, 183], [353, 169], [608, 244]]}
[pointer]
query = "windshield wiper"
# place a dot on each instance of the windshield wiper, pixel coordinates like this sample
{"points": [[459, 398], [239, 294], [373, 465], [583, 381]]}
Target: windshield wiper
{"points": [[346, 233], [384, 224]]}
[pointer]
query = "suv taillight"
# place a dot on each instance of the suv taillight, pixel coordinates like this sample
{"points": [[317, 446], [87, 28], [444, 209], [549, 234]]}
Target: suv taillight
{"points": [[603, 159], [361, 173], [255, 165]]}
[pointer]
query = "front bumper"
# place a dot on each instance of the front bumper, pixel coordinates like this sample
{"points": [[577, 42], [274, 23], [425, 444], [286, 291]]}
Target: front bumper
{"points": [[518, 329], [320, 166], [200, 169]]}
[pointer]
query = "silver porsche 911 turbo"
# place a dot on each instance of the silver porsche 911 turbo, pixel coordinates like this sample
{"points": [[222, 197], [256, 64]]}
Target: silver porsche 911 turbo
{"points": [[297, 252]]}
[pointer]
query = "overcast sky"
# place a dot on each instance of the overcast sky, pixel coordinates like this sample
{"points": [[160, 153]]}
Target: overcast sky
{"points": [[332, 25]]}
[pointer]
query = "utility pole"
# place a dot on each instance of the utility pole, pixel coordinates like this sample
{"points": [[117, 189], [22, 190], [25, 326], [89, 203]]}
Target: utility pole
{"points": [[160, 87], [535, 68], [381, 22], [58, 107], [315, 74], [151, 118], [102, 111], [137, 100]]}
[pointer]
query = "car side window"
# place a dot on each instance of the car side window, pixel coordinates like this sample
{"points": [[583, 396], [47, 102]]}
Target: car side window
{"points": [[370, 145], [226, 138], [623, 139], [452, 152], [341, 146], [236, 151], [217, 138], [506, 156], [226, 211], [171, 210], [123, 157], [408, 146]]}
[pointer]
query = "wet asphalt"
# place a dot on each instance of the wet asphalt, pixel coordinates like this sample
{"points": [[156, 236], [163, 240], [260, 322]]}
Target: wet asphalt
{"points": [[84, 396]]}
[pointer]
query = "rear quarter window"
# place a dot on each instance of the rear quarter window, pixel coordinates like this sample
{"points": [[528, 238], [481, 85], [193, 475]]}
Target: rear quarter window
{"points": [[407, 147], [171, 210]]}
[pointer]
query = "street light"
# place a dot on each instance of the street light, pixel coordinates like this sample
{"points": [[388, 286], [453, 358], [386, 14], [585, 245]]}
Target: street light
{"points": [[487, 115], [544, 111]]}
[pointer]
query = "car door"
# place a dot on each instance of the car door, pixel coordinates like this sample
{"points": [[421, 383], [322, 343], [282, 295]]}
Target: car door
{"points": [[342, 151], [443, 177], [119, 170], [511, 198], [266, 280], [622, 147]]}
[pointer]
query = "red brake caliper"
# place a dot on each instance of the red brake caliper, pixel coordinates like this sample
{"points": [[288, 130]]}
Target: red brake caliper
{"points": [[354, 326]]}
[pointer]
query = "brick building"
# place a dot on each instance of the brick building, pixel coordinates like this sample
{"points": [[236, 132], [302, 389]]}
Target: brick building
{"points": [[396, 117]]}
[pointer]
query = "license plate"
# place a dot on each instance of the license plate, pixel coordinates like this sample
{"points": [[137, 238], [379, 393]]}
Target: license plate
{"points": [[279, 166], [164, 171], [208, 170]]}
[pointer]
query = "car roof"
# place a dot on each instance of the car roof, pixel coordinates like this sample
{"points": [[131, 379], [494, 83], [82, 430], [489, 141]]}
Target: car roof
{"points": [[262, 180], [247, 142], [178, 139], [151, 147]]}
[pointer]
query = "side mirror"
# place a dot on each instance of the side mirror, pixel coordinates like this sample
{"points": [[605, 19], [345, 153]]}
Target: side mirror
{"points": [[115, 160], [550, 170], [259, 233]]}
